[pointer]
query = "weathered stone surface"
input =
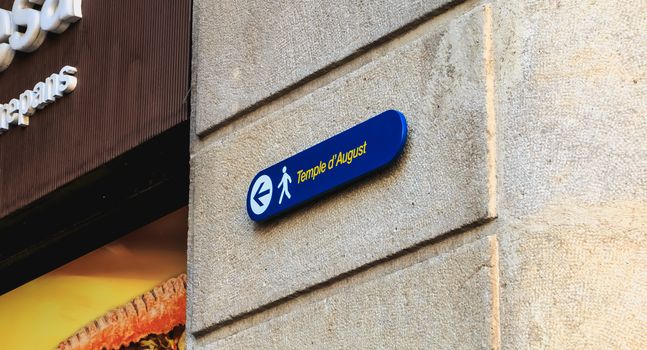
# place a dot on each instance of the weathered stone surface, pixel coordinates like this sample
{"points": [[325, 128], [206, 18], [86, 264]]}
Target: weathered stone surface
{"points": [[572, 110], [245, 51], [571, 82], [575, 277], [439, 184], [441, 303], [572, 113]]}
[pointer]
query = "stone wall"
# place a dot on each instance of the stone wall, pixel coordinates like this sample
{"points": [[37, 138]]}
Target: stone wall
{"points": [[516, 216]]}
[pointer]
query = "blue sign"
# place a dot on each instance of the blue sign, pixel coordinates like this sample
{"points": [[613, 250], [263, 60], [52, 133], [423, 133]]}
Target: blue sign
{"points": [[330, 164]]}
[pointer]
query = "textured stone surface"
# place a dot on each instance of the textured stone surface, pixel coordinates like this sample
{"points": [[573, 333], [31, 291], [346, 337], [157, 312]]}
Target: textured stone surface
{"points": [[572, 109], [246, 51], [439, 184], [572, 114], [575, 277], [571, 106], [441, 303]]}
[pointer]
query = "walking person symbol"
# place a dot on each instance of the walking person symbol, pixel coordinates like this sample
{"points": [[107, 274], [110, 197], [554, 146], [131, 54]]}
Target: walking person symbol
{"points": [[285, 180]]}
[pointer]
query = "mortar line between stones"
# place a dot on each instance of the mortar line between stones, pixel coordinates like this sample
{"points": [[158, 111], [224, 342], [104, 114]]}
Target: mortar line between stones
{"points": [[490, 110], [495, 314], [386, 40], [343, 276], [488, 42]]}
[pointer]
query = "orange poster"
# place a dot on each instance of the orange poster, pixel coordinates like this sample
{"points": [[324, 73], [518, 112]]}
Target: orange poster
{"points": [[127, 295]]}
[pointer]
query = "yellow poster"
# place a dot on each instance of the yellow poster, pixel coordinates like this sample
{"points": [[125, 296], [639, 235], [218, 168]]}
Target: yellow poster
{"points": [[127, 295]]}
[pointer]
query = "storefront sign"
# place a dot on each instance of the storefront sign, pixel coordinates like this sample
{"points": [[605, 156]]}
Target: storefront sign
{"points": [[330, 164], [18, 110], [25, 28]]}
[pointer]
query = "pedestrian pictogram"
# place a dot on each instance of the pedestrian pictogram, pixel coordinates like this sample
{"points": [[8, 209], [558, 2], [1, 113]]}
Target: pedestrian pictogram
{"points": [[285, 180]]}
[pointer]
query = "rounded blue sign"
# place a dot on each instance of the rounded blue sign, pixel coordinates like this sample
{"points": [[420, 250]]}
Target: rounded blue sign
{"points": [[326, 166]]}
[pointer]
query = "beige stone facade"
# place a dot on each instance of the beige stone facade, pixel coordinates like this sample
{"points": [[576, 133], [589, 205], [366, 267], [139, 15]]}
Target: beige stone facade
{"points": [[515, 218]]}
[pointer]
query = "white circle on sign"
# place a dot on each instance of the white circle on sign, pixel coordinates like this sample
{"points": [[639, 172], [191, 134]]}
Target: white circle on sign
{"points": [[260, 196]]}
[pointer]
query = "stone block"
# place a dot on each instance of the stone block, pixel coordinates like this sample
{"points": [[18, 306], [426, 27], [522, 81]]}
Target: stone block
{"points": [[246, 51], [574, 276], [445, 302], [572, 109]]}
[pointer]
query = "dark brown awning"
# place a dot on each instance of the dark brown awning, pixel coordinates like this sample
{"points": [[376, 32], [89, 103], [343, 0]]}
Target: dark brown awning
{"points": [[133, 81]]}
